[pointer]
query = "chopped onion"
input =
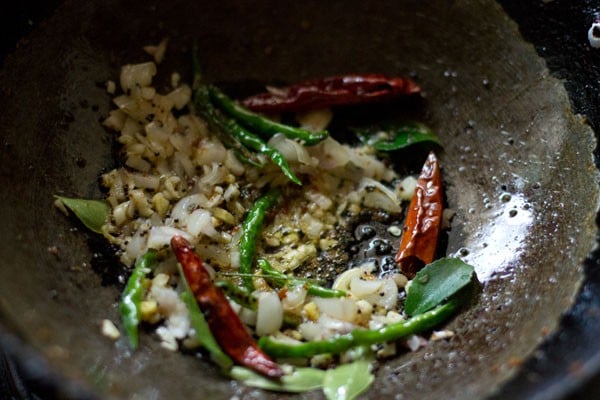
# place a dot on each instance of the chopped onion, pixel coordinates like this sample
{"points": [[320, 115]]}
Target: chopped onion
{"points": [[293, 151], [386, 296], [414, 342], [160, 236], [134, 247], [181, 96], [269, 315], [200, 221], [311, 226], [218, 254], [406, 189], [362, 288], [342, 308], [294, 299], [158, 51], [315, 120], [116, 120], [138, 109], [324, 328], [171, 306], [248, 316], [342, 282], [331, 154], [382, 197], [156, 132], [133, 75]]}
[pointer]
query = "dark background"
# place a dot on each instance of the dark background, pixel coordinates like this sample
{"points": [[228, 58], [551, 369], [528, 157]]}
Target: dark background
{"points": [[558, 29]]}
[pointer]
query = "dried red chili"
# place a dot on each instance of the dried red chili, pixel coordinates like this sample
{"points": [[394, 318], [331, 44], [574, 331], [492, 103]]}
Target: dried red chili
{"points": [[224, 323], [423, 222], [331, 91]]}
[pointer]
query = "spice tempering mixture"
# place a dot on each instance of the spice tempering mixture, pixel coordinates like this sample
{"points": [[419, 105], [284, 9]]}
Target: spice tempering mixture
{"points": [[261, 242], [179, 179]]}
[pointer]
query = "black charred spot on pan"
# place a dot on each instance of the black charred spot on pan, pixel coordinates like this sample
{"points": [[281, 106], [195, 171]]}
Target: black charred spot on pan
{"points": [[105, 262], [80, 162], [66, 120]]}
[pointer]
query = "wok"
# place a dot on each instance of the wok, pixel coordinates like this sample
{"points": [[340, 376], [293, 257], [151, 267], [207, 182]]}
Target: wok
{"points": [[517, 161]]}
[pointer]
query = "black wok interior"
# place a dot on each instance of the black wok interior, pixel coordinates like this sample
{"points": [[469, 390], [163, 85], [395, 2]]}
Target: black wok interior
{"points": [[503, 117]]}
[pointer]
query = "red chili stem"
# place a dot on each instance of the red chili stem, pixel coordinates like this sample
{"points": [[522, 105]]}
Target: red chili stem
{"points": [[224, 323], [331, 91], [423, 222]]}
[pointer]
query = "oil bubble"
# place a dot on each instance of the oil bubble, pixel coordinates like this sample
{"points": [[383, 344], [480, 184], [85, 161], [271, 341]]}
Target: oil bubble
{"points": [[505, 197]]}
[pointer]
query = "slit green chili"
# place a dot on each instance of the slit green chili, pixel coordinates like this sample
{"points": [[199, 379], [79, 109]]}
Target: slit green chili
{"points": [[129, 306], [218, 123], [250, 230], [201, 328], [361, 337], [252, 141], [238, 294], [261, 124], [203, 104], [234, 136], [280, 279]]}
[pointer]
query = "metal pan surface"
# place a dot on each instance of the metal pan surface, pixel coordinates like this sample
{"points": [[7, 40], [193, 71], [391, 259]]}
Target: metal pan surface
{"points": [[518, 166]]}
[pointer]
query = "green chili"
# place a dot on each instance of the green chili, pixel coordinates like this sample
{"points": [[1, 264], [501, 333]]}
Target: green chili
{"points": [[280, 279], [218, 123], [129, 307], [261, 124], [361, 337], [250, 230], [320, 291], [234, 136], [205, 106], [238, 294], [255, 143], [201, 328], [276, 278]]}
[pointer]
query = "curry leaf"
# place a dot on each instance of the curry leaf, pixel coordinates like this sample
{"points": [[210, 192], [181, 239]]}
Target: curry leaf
{"points": [[347, 381], [198, 322], [391, 136], [435, 283], [92, 213], [301, 380]]}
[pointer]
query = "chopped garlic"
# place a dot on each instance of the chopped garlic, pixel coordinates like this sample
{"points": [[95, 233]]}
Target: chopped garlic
{"points": [[110, 330], [149, 311], [440, 335], [158, 51], [311, 311], [111, 87]]}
